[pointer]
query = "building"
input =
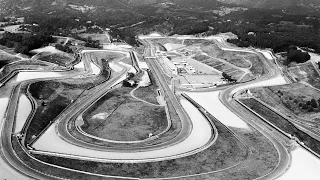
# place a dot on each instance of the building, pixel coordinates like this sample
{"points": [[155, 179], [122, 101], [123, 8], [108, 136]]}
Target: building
{"points": [[170, 65]]}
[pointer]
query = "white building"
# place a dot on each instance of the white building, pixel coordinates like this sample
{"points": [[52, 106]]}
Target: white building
{"points": [[170, 65]]}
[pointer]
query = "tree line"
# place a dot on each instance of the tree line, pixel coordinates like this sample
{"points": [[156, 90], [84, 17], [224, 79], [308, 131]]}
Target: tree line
{"points": [[23, 43]]}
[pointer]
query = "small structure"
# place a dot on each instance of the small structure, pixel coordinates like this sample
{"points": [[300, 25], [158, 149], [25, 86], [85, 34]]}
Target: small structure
{"points": [[183, 62], [170, 65]]}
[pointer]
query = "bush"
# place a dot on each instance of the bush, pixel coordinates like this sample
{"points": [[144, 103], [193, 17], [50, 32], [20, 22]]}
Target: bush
{"points": [[296, 101], [65, 48], [25, 42], [308, 103], [298, 56], [10, 44], [304, 106], [228, 77], [314, 103]]}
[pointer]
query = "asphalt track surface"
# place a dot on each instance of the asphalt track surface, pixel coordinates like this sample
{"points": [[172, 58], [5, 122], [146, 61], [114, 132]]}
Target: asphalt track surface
{"points": [[11, 159], [200, 137], [222, 102]]}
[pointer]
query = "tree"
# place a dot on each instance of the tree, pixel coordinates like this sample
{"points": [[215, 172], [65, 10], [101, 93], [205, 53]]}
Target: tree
{"points": [[17, 47], [308, 103], [228, 77], [304, 106], [314, 103], [10, 44], [298, 56]]}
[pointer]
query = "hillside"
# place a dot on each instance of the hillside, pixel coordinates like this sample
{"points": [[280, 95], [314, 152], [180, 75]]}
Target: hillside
{"points": [[296, 6], [102, 7]]}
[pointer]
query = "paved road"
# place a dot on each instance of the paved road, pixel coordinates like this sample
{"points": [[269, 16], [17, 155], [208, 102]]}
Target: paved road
{"points": [[224, 96], [272, 78], [185, 143], [8, 155]]}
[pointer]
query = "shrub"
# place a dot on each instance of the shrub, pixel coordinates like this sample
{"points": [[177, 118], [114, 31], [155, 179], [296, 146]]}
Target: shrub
{"points": [[304, 106], [314, 103]]}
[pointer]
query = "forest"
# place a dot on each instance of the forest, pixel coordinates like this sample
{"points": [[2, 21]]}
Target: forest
{"points": [[23, 43]]}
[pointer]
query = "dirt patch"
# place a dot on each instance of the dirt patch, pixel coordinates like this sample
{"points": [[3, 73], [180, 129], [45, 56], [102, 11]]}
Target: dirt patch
{"points": [[306, 72]]}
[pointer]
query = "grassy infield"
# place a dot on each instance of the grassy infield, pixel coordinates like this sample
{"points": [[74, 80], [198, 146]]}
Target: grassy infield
{"points": [[127, 118], [120, 96], [123, 118]]}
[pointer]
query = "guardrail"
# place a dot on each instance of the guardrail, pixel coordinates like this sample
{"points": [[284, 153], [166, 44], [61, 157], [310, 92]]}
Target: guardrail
{"points": [[280, 130], [201, 109]]}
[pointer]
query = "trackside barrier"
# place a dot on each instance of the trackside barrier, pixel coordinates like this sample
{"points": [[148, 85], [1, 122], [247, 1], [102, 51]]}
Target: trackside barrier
{"points": [[135, 63], [201, 109], [280, 130], [6, 78], [281, 115]]}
